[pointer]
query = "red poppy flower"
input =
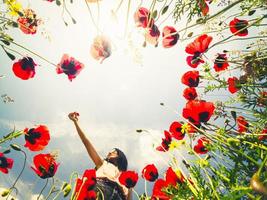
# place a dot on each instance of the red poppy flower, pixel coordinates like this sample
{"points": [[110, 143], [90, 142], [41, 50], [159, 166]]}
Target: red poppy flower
{"points": [[24, 68], [28, 23], [165, 142], [264, 134], [70, 66], [173, 178], [220, 63], [190, 93], [101, 48], [5, 163], [85, 186], [37, 138], [45, 165], [152, 35], [128, 178], [233, 85], [191, 78], [238, 27], [197, 111], [242, 124], [176, 130], [194, 61], [141, 18], [200, 147], [158, 188], [170, 36], [150, 173], [196, 48]]}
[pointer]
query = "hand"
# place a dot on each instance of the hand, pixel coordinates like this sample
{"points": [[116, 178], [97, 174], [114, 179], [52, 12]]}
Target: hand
{"points": [[74, 116]]}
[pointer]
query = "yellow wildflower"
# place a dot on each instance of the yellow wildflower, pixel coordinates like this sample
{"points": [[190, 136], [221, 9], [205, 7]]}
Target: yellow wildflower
{"points": [[176, 144], [185, 128], [14, 7]]}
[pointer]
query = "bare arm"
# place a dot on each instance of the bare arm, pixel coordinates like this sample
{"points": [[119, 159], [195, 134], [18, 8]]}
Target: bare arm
{"points": [[89, 147]]}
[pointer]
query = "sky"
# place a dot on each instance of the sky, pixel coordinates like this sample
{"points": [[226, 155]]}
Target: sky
{"points": [[114, 98]]}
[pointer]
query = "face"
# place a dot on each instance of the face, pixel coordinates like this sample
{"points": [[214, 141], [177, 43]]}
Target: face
{"points": [[112, 154]]}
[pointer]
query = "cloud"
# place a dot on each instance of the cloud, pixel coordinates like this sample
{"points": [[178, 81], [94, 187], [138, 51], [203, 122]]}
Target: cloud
{"points": [[73, 156], [35, 196]]}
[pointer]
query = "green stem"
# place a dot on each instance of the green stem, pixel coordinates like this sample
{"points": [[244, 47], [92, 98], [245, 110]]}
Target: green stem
{"points": [[33, 53], [247, 38], [213, 16], [51, 190], [24, 163], [127, 18], [5, 47], [42, 189], [12, 135], [56, 196], [223, 41], [91, 16], [146, 188], [262, 164], [118, 6], [136, 193]]}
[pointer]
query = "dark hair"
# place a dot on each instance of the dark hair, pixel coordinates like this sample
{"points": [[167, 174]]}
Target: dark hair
{"points": [[120, 161]]}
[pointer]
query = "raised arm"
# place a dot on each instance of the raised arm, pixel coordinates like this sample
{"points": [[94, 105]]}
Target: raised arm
{"points": [[89, 147]]}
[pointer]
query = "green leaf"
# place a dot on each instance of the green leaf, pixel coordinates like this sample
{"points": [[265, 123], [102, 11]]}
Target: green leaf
{"points": [[5, 42], [165, 9], [154, 14], [15, 147]]}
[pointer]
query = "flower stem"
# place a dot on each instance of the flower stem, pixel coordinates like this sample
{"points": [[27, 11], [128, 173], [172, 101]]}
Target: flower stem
{"points": [[213, 16], [32, 52], [91, 16], [11, 136], [136, 193], [127, 18], [42, 189]]}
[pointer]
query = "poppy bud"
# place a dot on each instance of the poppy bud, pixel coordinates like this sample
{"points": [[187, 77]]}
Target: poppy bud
{"points": [[15, 147], [5, 193], [66, 190]]}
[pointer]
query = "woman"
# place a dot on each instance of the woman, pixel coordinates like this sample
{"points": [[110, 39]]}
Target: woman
{"points": [[107, 170]]}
